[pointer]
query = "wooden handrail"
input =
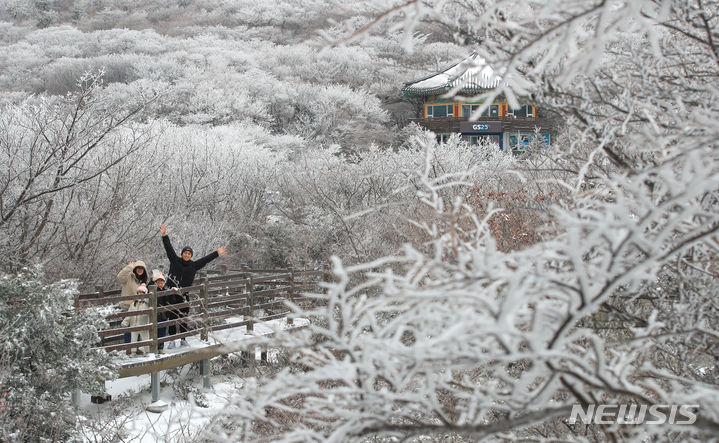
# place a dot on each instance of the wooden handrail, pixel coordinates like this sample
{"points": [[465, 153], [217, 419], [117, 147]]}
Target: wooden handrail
{"points": [[105, 301], [119, 331], [228, 284], [260, 271], [229, 326], [244, 310], [227, 300], [218, 277], [124, 314], [218, 297], [260, 280]]}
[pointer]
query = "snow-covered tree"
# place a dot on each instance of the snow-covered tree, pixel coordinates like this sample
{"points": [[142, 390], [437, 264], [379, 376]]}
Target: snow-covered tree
{"points": [[48, 147], [614, 304], [47, 353]]}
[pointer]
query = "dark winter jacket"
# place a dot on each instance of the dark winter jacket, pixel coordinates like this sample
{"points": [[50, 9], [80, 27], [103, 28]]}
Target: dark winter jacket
{"points": [[164, 298], [183, 272]]}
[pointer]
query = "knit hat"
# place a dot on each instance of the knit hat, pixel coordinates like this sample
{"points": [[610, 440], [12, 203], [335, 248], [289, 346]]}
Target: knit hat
{"points": [[157, 275], [187, 248], [142, 288]]}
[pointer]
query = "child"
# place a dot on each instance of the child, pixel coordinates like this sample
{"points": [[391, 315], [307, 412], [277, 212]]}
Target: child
{"points": [[138, 304], [163, 300]]}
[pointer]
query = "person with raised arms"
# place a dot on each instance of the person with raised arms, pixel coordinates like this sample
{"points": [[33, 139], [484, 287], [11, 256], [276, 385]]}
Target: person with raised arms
{"points": [[182, 273]]}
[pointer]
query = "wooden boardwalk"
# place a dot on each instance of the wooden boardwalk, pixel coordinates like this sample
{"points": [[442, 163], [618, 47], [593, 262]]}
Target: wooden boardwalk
{"points": [[226, 309], [233, 340]]}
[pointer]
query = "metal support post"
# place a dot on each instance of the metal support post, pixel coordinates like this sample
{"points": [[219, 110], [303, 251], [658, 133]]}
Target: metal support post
{"points": [[155, 386], [205, 373], [205, 314], [291, 296], [250, 304], [75, 397]]}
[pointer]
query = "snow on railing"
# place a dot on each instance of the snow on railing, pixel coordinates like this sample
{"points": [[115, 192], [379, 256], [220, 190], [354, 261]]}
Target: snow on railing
{"points": [[255, 294]]}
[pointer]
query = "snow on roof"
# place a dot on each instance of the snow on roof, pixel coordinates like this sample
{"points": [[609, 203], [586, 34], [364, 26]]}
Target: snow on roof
{"points": [[471, 74]]}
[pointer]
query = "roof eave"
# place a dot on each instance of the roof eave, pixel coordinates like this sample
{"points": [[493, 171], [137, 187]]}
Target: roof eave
{"points": [[411, 92]]}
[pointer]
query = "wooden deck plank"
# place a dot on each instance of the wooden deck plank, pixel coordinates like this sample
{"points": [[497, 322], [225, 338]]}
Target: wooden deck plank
{"points": [[163, 362]]}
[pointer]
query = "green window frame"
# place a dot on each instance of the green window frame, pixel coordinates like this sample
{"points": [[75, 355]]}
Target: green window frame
{"points": [[440, 111], [524, 111], [491, 111]]}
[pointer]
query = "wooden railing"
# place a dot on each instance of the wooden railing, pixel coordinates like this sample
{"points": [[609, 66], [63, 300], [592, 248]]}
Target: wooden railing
{"points": [[255, 294]]}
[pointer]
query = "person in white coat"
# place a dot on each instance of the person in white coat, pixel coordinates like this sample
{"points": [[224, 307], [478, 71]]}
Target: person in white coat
{"points": [[132, 276], [139, 304]]}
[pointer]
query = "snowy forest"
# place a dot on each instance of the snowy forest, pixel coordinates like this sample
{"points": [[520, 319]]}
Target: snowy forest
{"points": [[476, 293]]}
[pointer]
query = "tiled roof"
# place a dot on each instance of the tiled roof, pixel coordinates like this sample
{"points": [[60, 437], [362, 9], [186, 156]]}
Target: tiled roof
{"points": [[472, 74]]}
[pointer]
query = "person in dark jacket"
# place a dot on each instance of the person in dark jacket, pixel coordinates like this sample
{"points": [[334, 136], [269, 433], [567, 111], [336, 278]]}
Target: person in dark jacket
{"points": [[182, 273]]}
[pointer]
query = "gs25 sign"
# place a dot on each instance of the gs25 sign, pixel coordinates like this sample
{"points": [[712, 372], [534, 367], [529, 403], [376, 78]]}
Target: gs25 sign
{"points": [[469, 127]]}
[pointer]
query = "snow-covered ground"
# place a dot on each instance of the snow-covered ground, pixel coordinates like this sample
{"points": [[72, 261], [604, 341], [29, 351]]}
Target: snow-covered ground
{"points": [[184, 419], [225, 336]]}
